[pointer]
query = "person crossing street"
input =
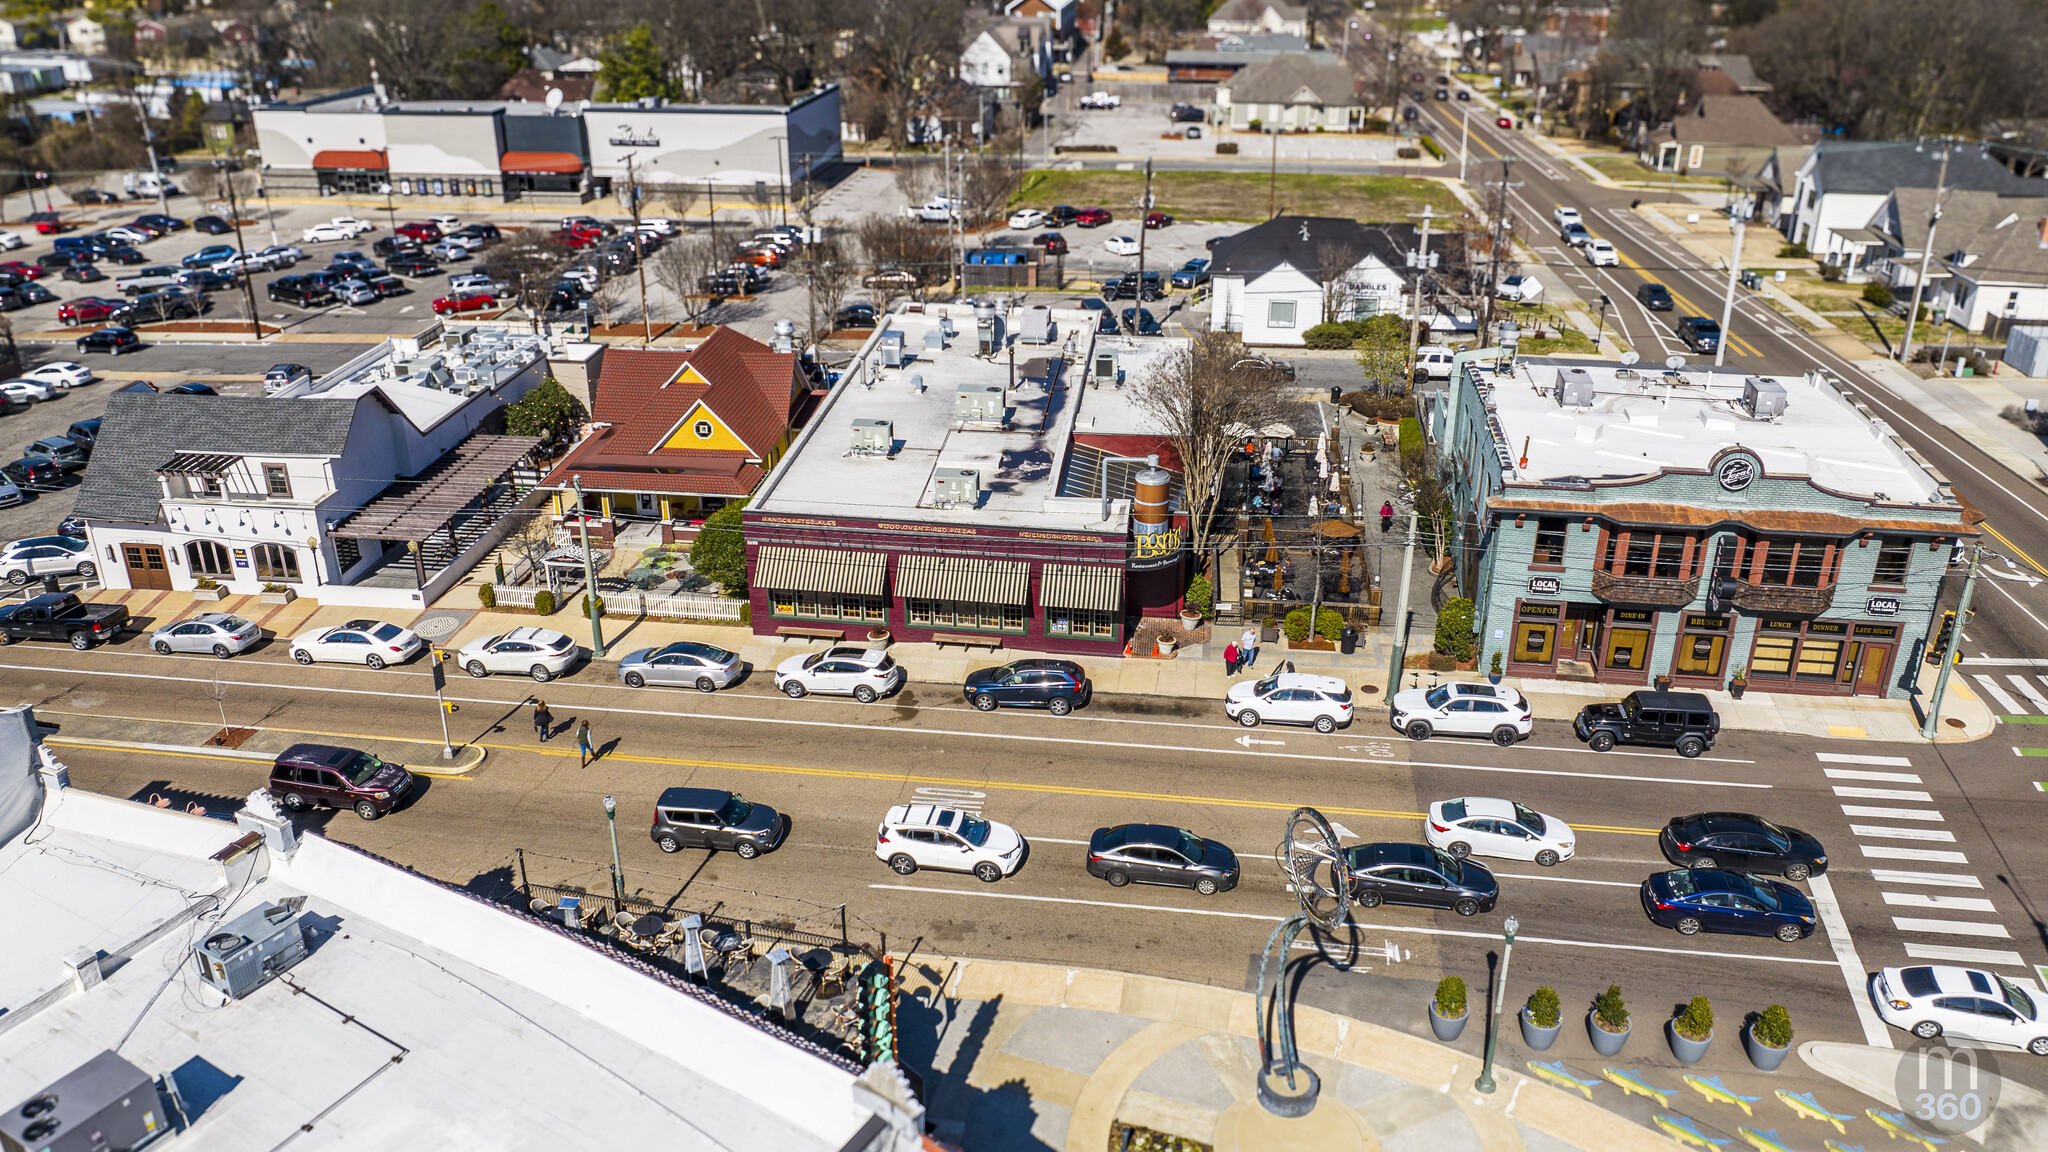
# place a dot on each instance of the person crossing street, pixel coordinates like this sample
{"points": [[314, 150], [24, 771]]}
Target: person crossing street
{"points": [[584, 747], [543, 720]]}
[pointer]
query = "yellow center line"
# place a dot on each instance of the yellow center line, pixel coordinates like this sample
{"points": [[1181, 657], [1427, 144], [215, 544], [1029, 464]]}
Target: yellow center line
{"points": [[2016, 550], [1742, 347]]}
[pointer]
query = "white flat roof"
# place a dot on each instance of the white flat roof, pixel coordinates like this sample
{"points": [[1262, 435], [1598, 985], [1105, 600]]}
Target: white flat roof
{"points": [[1653, 421]]}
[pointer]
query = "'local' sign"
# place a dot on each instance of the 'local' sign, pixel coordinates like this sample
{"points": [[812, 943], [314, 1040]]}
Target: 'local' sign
{"points": [[1544, 585], [1881, 606], [1736, 473]]}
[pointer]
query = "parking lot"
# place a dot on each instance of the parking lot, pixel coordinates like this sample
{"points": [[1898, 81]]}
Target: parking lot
{"points": [[1141, 128]]}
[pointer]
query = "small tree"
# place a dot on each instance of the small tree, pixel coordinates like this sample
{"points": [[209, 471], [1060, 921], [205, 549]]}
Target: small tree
{"points": [[681, 266], [832, 268], [986, 186], [1544, 1009], [529, 262], [1295, 626], [1609, 1009], [1454, 628], [1696, 1020], [1450, 997], [1773, 1027], [1201, 595], [1334, 261], [548, 412], [1329, 624], [633, 68], [1383, 354], [720, 550]]}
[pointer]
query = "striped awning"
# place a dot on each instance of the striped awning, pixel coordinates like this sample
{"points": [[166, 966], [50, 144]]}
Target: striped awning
{"points": [[819, 570], [1090, 587], [974, 579]]}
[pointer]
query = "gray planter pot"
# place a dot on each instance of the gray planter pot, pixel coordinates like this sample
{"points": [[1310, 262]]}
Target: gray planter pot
{"points": [[1604, 1042], [215, 594], [1539, 1038], [1687, 1051], [1765, 1057], [1447, 1028]]}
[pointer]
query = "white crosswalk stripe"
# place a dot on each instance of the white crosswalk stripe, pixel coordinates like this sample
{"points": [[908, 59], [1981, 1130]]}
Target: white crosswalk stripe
{"points": [[1938, 902], [1929, 855], [1990, 957], [2032, 693], [1883, 832], [1952, 927], [1936, 879], [2003, 699], [1853, 774], [1852, 758], [1844, 790], [1927, 814]]}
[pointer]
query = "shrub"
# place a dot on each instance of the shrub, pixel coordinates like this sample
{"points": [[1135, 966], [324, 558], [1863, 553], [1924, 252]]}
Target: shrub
{"points": [[1454, 628], [1609, 1010], [1411, 444], [1376, 407], [1832, 273], [1450, 997], [1793, 252], [207, 582], [1329, 623], [1442, 662], [1201, 595], [746, 614], [1435, 149], [273, 588], [1773, 1027], [1115, 47], [1877, 295], [1226, 148], [1295, 627], [1544, 1010], [487, 596], [1696, 1020], [588, 602], [1258, 125], [1329, 337], [544, 603], [1494, 667]]}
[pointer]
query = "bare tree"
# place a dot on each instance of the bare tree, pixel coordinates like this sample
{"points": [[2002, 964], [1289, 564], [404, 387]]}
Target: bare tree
{"points": [[986, 185], [895, 245], [918, 181], [832, 268], [682, 266], [529, 261], [1334, 260], [1205, 398]]}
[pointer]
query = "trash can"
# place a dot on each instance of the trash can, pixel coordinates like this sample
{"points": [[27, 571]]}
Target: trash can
{"points": [[1336, 394], [1347, 640]]}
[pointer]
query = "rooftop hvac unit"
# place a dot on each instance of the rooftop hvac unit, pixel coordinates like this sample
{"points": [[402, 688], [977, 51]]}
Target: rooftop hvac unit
{"points": [[980, 404], [253, 947], [1102, 367], [988, 335], [1574, 388], [1763, 399], [955, 486], [104, 1103], [873, 437], [890, 348], [1036, 326]]}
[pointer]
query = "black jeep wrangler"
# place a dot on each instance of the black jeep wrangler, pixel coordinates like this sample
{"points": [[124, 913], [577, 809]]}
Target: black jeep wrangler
{"points": [[1683, 721]]}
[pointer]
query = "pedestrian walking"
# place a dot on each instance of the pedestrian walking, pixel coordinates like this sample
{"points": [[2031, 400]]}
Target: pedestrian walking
{"points": [[583, 745], [1248, 648], [543, 720], [1386, 515], [1230, 659]]}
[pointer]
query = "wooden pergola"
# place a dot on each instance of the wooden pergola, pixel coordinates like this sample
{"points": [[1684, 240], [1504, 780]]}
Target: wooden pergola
{"points": [[413, 508]]}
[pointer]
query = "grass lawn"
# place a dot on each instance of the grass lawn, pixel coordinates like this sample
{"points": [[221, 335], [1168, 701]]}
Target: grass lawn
{"points": [[1241, 195], [1565, 340]]}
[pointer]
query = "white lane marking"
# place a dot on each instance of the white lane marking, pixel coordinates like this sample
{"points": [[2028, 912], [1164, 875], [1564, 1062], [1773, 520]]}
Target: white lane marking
{"points": [[1829, 912], [1988, 956], [1051, 840], [1938, 902], [1893, 813], [965, 732], [1952, 927], [1850, 758], [1882, 794], [1938, 879], [2003, 662], [1883, 832], [2022, 607], [1569, 880], [2032, 693], [1664, 950], [1859, 774], [1931, 856], [2011, 706]]}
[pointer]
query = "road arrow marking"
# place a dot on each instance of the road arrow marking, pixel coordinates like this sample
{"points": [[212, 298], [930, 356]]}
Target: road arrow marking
{"points": [[1342, 832], [1247, 741]]}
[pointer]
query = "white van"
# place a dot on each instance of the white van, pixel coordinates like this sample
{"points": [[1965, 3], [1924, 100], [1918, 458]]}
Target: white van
{"points": [[147, 184], [1433, 361]]}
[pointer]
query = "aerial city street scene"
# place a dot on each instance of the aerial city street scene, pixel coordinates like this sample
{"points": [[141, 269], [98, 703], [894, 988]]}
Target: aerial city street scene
{"points": [[1024, 575]]}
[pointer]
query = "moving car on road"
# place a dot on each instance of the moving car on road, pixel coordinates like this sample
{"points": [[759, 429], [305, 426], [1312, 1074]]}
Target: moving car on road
{"points": [[1931, 1000], [1059, 686], [371, 642], [537, 652], [1682, 721], [1742, 842], [1601, 254], [112, 340], [1418, 875], [862, 673], [914, 836], [1290, 698], [306, 776], [1484, 826], [1565, 214], [40, 556], [1161, 854], [716, 819], [1699, 334], [1574, 234], [705, 667], [222, 634], [1654, 296], [1463, 709], [1693, 901]]}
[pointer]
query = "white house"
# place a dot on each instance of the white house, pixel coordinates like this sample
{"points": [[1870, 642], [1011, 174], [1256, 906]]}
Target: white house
{"points": [[1292, 91], [1247, 17], [1840, 185], [1007, 51], [1062, 13], [373, 485], [86, 35], [1268, 280]]}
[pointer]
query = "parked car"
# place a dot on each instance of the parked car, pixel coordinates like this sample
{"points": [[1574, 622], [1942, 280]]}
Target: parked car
{"points": [[1192, 274], [1463, 708], [1105, 316], [449, 250], [1161, 854], [355, 224], [1121, 245], [1693, 901], [111, 340], [1059, 686], [1184, 113], [323, 233], [159, 220], [10, 240], [123, 254], [1434, 361], [705, 667], [1290, 698], [282, 376], [1699, 334], [212, 226], [156, 307], [1126, 287], [191, 388], [86, 310], [416, 267], [209, 256], [1421, 876], [1053, 243], [56, 261], [865, 674], [61, 616], [21, 388], [62, 373], [86, 432], [1601, 254], [129, 234], [207, 280], [422, 231], [1683, 721], [541, 653], [1024, 218], [33, 474], [307, 776], [1062, 215], [38, 556], [80, 272], [299, 291], [1140, 322], [716, 819], [355, 292], [386, 285], [914, 836], [1484, 826], [147, 280], [456, 302], [372, 642], [1743, 842], [1519, 287], [11, 494], [1574, 233], [393, 245], [855, 316], [1158, 220], [1092, 217], [66, 453], [1931, 1000], [220, 633]]}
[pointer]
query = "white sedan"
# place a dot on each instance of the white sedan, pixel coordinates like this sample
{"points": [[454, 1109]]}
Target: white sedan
{"points": [[353, 224], [914, 836], [372, 642], [1931, 1000], [537, 652], [1026, 218], [861, 673], [62, 373], [22, 388], [1483, 826], [319, 233], [1600, 253], [1121, 246], [10, 241], [1290, 698], [1463, 709]]}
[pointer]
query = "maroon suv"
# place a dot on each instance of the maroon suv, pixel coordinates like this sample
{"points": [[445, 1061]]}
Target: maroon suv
{"points": [[306, 776]]}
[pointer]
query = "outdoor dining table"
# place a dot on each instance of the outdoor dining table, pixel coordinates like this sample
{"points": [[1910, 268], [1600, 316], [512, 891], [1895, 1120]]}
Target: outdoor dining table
{"points": [[645, 578], [650, 925]]}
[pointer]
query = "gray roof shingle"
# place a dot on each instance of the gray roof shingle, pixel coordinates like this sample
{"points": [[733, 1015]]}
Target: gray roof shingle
{"points": [[141, 431], [1288, 75], [1298, 241], [1880, 166]]}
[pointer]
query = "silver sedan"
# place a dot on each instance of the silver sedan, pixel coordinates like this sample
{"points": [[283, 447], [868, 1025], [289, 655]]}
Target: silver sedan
{"points": [[222, 634], [705, 667]]}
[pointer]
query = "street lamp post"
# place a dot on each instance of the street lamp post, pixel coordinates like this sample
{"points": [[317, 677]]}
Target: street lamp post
{"points": [[1600, 330], [611, 819], [1500, 991], [267, 213], [589, 575]]}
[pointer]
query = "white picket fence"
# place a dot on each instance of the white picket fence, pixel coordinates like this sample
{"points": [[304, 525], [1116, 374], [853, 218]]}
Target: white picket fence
{"points": [[683, 606]]}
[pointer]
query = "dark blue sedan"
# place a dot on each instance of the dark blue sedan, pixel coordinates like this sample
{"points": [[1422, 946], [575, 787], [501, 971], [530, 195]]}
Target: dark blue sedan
{"points": [[1694, 900], [1060, 686]]}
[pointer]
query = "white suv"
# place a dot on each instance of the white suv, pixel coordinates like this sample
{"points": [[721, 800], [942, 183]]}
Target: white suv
{"points": [[1291, 698], [914, 836], [1433, 361], [1565, 214], [40, 556], [862, 673], [1463, 709], [1601, 253]]}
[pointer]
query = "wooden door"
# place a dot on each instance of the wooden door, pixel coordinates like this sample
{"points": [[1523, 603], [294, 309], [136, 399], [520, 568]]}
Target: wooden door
{"points": [[146, 567]]}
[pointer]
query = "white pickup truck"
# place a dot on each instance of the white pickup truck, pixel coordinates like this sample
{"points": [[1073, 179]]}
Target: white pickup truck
{"points": [[1102, 100], [937, 210]]}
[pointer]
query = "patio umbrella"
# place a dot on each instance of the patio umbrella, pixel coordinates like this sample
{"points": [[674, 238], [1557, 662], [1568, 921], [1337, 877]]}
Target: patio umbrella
{"points": [[1272, 549], [1338, 530]]}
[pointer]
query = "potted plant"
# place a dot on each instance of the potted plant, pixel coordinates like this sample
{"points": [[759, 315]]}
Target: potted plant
{"points": [[1447, 1010], [878, 638], [1738, 683], [1542, 1019], [1200, 599], [1607, 1024], [1691, 1030], [208, 589], [1662, 683], [1165, 645], [1769, 1038], [277, 594], [1493, 668]]}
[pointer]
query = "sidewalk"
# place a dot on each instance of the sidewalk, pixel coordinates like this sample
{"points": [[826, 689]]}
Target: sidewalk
{"points": [[259, 745]]}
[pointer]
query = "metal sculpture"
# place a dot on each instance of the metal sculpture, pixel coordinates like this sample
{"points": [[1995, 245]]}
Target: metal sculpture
{"points": [[1320, 877]]}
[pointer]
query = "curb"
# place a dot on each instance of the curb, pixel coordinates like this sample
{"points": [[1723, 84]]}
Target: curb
{"points": [[457, 769]]}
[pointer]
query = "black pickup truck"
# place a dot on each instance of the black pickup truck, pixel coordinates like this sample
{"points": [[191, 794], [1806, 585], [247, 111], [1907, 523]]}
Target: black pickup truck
{"points": [[62, 616]]}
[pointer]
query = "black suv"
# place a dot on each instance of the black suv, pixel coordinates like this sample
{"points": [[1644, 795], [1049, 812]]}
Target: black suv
{"points": [[303, 291], [306, 776], [1699, 333], [717, 819], [1683, 721], [1419, 875], [112, 340], [1740, 841], [1059, 686], [1125, 286], [152, 307]]}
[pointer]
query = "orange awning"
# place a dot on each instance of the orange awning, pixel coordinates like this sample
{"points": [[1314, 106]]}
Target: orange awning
{"points": [[369, 159], [553, 163]]}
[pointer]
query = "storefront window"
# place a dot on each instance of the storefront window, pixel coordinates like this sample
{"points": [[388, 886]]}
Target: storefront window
{"points": [[1536, 634], [828, 606], [1081, 623], [1894, 555], [961, 614], [1791, 563], [1663, 555], [1628, 641], [1772, 656], [1702, 646]]}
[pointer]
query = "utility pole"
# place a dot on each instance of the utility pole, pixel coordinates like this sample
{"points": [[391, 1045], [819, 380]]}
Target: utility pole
{"points": [[1144, 208], [1500, 235], [1926, 251], [589, 575], [1421, 263], [226, 168], [1273, 177], [1728, 302], [1464, 140], [1401, 613], [639, 253], [1930, 727]]}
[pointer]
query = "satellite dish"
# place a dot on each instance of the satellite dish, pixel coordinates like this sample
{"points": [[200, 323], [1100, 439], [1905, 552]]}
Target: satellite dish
{"points": [[1631, 357], [554, 99], [1674, 362]]}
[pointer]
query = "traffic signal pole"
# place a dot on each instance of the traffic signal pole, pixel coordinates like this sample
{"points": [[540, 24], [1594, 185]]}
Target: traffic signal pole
{"points": [[441, 658], [1932, 725]]}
